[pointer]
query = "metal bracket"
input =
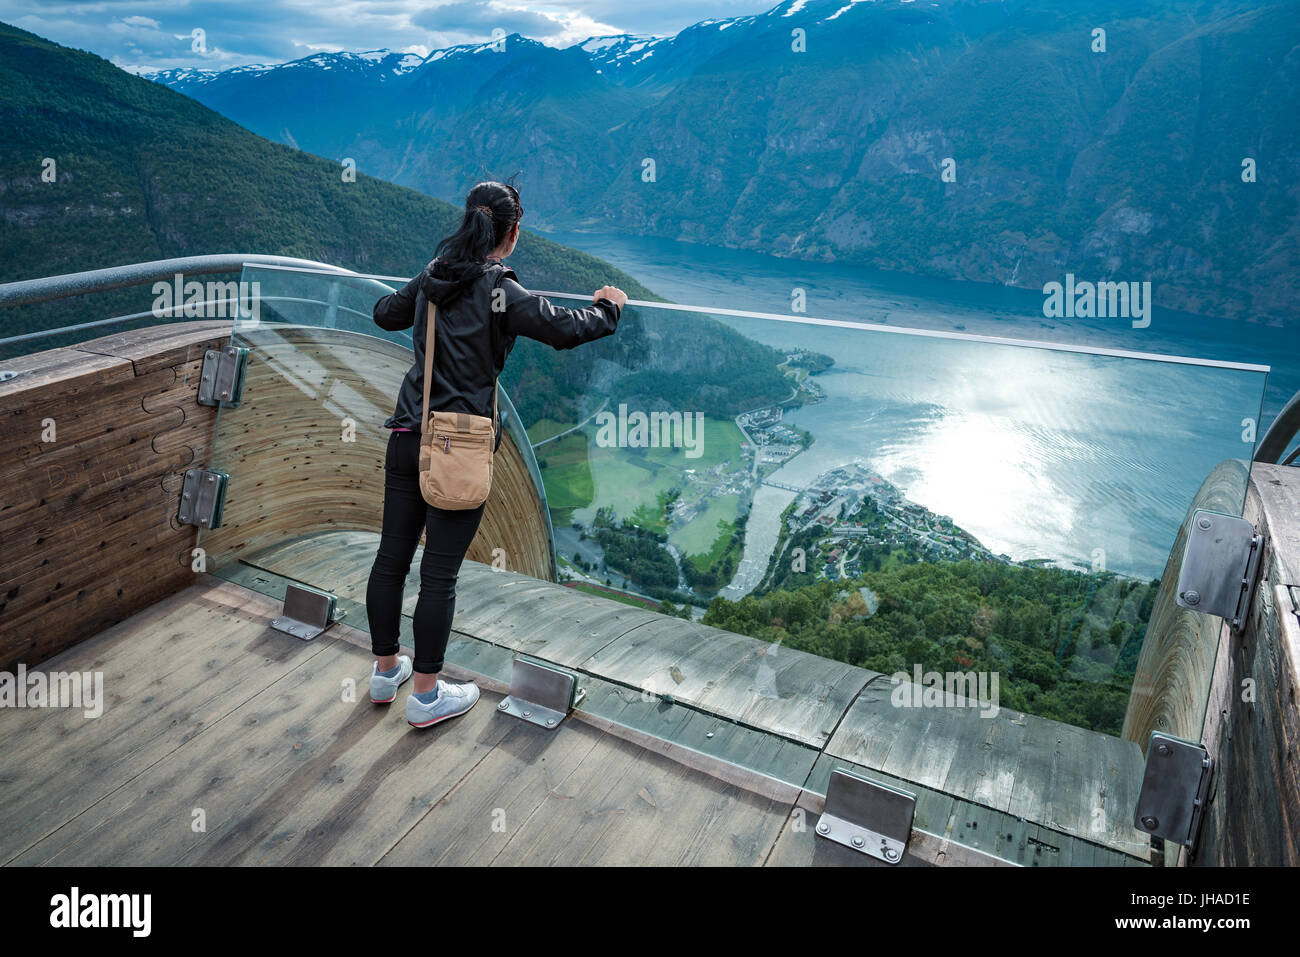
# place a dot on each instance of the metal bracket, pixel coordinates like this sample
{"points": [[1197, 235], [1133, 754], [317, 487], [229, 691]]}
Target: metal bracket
{"points": [[307, 612], [541, 694], [867, 816], [1175, 787], [222, 380], [1221, 566], [203, 496]]}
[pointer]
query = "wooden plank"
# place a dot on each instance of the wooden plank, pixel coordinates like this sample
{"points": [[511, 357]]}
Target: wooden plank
{"points": [[91, 431], [502, 607], [229, 767], [755, 760], [155, 347], [791, 693], [547, 620], [170, 674], [626, 806], [1078, 781], [974, 829], [69, 368], [367, 779], [473, 822], [1172, 680]]}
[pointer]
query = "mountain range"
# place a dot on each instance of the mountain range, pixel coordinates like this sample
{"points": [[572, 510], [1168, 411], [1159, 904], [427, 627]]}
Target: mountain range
{"points": [[1106, 139], [140, 172]]}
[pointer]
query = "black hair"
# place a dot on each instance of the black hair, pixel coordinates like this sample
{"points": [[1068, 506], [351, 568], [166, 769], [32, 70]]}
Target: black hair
{"points": [[491, 210]]}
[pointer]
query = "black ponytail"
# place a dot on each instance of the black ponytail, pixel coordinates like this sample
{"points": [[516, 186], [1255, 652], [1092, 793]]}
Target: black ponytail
{"points": [[491, 211]]}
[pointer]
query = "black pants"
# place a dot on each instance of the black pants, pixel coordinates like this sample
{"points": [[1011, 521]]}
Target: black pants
{"points": [[447, 535]]}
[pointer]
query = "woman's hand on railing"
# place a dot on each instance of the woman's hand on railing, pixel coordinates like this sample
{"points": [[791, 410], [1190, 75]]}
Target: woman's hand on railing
{"points": [[612, 293]]}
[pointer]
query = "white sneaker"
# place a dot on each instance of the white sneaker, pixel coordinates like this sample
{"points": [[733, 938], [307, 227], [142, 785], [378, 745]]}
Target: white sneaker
{"points": [[453, 699], [384, 690]]}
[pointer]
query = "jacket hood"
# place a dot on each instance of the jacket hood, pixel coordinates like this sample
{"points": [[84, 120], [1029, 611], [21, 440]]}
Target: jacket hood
{"points": [[441, 282]]}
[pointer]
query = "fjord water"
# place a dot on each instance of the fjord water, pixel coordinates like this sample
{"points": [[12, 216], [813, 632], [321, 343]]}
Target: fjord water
{"points": [[1070, 457]]}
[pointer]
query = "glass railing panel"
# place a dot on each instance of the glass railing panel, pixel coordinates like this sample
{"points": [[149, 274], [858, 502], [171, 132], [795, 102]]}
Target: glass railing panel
{"points": [[37, 327], [294, 296], [304, 449], [862, 510]]}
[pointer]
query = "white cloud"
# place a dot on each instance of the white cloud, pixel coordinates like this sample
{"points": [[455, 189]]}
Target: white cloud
{"points": [[155, 34]]}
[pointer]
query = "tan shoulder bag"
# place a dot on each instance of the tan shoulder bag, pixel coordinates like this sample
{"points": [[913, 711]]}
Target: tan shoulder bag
{"points": [[456, 448]]}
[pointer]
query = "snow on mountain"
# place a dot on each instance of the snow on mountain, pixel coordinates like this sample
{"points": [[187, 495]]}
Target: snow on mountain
{"points": [[620, 50]]}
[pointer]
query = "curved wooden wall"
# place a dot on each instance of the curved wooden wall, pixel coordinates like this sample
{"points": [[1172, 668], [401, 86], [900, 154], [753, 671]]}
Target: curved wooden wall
{"points": [[1172, 683], [1253, 817], [305, 452], [88, 529]]}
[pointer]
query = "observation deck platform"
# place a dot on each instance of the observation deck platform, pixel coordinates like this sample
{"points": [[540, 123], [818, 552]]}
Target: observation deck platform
{"points": [[214, 718], [223, 741]]}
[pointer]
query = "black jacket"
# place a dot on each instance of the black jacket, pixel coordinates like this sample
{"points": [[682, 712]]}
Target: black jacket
{"points": [[472, 338]]}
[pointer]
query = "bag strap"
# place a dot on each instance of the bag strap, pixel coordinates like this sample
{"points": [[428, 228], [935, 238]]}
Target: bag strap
{"points": [[429, 340], [429, 324]]}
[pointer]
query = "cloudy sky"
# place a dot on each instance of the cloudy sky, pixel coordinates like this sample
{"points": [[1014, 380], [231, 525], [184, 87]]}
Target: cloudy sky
{"points": [[157, 34]]}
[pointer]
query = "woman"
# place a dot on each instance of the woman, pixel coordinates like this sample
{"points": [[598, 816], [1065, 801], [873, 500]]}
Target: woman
{"points": [[481, 309]]}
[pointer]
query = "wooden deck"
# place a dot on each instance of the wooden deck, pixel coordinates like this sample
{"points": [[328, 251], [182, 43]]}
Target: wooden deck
{"points": [[223, 741], [998, 773]]}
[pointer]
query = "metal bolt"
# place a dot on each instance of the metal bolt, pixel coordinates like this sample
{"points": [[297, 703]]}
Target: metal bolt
{"points": [[1164, 750], [1205, 523], [528, 714], [709, 735], [550, 722], [1150, 823], [823, 828], [858, 842], [891, 854], [1192, 597], [502, 706]]}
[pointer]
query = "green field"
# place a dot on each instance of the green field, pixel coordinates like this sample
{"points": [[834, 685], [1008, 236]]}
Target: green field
{"points": [[582, 476], [544, 429], [701, 537]]}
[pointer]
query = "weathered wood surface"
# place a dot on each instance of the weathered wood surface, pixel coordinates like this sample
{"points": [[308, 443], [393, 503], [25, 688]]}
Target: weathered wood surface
{"points": [[791, 693], [1078, 782], [209, 711], [1081, 783], [170, 674], [88, 528], [506, 608], [1253, 723], [306, 449], [88, 534], [1172, 681], [799, 846], [248, 731]]}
